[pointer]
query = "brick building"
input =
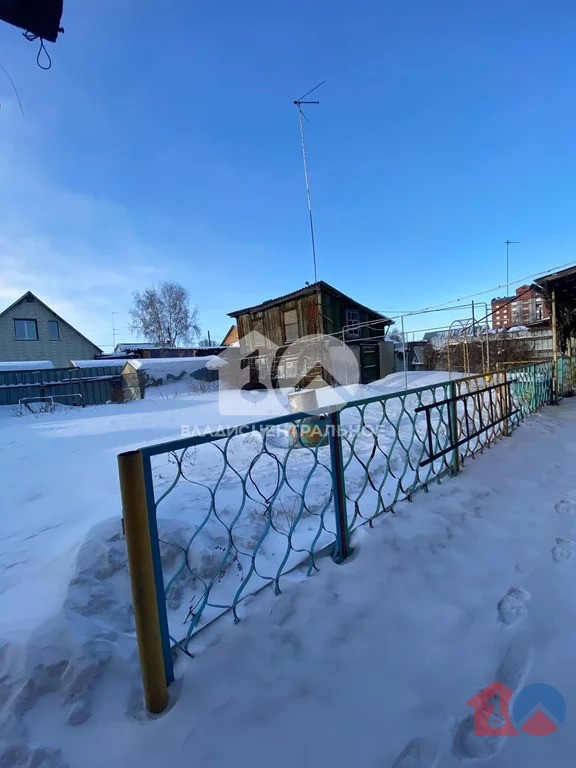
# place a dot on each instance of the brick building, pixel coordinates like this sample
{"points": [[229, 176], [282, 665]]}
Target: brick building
{"points": [[524, 308]]}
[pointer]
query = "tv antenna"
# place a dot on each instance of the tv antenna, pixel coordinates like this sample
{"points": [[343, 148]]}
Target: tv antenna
{"points": [[301, 116], [114, 330], [508, 243]]}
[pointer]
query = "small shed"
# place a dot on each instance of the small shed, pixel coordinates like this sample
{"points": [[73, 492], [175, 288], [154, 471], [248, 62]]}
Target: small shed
{"points": [[137, 375]]}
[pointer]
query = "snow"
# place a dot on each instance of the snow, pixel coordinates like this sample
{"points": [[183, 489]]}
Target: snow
{"points": [[158, 367], [136, 345], [26, 365], [368, 663], [111, 363], [176, 372]]}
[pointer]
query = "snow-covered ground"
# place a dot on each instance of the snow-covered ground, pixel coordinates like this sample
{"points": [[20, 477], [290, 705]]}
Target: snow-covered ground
{"points": [[347, 666]]}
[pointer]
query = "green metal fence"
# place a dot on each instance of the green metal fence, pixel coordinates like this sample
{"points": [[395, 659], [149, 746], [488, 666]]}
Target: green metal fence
{"points": [[229, 512], [533, 387], [566, 376], [69, 386]]}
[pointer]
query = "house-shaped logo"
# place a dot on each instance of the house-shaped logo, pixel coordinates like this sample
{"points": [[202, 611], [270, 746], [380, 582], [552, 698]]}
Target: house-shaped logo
{"points": [[491, 711], [258, 368]]}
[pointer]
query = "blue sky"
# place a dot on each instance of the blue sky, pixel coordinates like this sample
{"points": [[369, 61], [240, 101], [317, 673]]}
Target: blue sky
{"points": [[163, 144]]}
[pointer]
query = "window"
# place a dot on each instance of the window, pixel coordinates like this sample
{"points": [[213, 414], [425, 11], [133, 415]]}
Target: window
{"points": [[25, 329], [290, 325], [539, 309], [53, 330], [352, 319]]}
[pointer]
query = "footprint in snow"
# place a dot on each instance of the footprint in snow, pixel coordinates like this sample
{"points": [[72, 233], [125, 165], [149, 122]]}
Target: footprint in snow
{"points": [[512, 672], [565, 507], [468, 746], [513, 606], [516, 664], [418, 753], [563, 550]]}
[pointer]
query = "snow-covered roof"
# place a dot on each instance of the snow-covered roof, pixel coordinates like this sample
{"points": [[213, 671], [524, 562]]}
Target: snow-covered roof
{"points": [[162, 366], [115, 362], [135, 345], [26, 365]]}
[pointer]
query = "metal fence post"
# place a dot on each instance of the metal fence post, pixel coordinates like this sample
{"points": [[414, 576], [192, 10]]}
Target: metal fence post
{"points": [[534, 389], [453, 422], [155, 665], [554, 320], [342, 546], [505, 404]]}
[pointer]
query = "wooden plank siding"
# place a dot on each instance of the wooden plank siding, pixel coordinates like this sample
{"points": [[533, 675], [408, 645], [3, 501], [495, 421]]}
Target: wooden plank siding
{"points": [[334, 315], [270, 321], [317, 312]]}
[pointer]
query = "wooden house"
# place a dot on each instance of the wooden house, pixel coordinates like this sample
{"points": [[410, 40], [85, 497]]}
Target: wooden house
{"points": [[231, 337], [316, 309]]}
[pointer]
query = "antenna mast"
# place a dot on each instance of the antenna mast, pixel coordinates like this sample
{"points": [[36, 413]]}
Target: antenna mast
{"points": [[114, 331], [301, 116]]}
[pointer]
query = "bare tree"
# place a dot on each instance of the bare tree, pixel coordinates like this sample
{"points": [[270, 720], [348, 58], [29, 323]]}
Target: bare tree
{"points": [[162, 315], [394, 334]]}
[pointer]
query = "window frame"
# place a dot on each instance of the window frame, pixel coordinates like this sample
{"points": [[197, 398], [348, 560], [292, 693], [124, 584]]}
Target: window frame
{"points": [[25, 320], [52, 323], [352, 324], [293, 324]]}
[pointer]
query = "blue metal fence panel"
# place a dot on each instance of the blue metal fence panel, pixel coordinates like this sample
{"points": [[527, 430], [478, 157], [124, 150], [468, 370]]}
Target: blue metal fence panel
{"points": [[261, 498], [242, 506], [70, 386]]}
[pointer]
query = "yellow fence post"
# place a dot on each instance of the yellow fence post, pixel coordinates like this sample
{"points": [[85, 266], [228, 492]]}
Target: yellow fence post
{"points": [[453, 422], [136, 526]]}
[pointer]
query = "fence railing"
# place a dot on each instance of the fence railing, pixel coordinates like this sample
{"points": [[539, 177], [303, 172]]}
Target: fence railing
{"points": [[78, 386], [534, 387], [213, 518], [485, 401], [566, 376]]}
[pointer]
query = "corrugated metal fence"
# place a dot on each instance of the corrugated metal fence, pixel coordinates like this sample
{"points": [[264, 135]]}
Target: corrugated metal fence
{"points": [[70, 386]]}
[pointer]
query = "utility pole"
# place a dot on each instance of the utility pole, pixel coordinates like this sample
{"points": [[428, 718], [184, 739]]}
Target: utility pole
{"points": [[508, 243]]}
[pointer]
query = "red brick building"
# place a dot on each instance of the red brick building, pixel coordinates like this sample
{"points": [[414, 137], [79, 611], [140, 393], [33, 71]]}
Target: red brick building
{"points": [[524, 308]]}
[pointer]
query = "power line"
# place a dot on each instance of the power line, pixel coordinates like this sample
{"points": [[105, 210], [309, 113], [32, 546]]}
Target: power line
{"points": [[488, 290]]}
